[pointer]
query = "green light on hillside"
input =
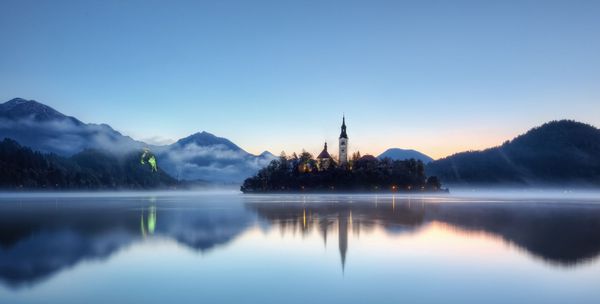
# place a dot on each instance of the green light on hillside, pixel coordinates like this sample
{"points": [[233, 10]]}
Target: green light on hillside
{"points": [[147, 156], [152, 162]]}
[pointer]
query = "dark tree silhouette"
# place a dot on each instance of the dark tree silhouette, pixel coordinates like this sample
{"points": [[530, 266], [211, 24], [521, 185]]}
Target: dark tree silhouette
{"points": [[557, 153], [23, 168], [366, 174]]}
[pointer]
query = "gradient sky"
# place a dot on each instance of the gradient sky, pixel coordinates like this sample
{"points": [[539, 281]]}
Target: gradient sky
{"points": [[436, 76]]}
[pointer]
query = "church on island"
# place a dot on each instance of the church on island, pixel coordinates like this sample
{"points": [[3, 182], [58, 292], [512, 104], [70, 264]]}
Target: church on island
{"points": [[325, 160], [340, 172]]}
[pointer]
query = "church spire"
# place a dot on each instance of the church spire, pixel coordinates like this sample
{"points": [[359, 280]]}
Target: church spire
{"points": [[343, 133], [343, 143]]}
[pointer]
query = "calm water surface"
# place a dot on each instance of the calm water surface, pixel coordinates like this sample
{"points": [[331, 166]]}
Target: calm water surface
{"points": [[216, 248]]}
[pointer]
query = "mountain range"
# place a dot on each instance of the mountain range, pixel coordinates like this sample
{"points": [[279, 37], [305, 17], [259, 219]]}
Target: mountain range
{"points": [[561, 152], [206, 157], [198, 157], [44, 129], [558, 153]]}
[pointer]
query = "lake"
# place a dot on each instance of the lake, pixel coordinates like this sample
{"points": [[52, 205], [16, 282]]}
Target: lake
{"points": [[211, 247]]}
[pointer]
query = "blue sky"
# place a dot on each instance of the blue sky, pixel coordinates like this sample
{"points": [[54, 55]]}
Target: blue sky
{"points": [[436, 76]]}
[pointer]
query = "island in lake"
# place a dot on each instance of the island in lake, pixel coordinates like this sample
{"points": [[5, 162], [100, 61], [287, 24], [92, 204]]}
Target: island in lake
{"points": [[325, 173], [44, 149]]}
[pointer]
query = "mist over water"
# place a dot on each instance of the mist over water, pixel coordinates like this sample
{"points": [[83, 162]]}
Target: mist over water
{"points": [[473, 193], [546, 195], [469, 246]]}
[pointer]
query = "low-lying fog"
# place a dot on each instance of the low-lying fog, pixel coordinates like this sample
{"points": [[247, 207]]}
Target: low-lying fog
{"points": [[456, 194]]}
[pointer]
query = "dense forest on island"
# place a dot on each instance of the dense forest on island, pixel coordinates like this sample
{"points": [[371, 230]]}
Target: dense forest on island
{"points": [[367, 173], [558, 153], [23, 168]]}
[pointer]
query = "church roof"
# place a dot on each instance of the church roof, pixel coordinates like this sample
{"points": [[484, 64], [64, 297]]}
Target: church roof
{"points": [[324, 154], [368, 157]]}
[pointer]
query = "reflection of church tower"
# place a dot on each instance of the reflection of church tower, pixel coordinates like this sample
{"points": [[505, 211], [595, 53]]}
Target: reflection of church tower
{"points": [[323, 226], [343, 237], [343, 143]]}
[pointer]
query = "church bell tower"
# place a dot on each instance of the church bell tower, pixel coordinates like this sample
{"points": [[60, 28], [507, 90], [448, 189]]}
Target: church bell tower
{"points": [[343, 143]]}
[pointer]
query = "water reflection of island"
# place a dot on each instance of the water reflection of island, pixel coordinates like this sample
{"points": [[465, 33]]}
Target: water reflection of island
{"points": [[339, 217], [38, 240], [559, 234]]}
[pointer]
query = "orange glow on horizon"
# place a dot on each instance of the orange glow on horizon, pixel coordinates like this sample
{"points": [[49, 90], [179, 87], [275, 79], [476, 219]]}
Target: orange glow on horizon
{"points": [[436, 145]]}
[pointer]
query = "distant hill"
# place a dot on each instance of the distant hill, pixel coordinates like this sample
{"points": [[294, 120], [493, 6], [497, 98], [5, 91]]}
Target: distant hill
{"points": [[23, 168], [206, 139], [204, 156], [562, 152], [199, 157], [402, 154]]}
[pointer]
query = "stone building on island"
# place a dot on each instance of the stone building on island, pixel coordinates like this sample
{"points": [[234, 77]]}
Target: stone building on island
{"points": [[326, 161]]}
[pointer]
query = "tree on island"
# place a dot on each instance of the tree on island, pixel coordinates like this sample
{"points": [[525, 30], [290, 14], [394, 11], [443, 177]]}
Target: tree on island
{"points": [[367, 173]]}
